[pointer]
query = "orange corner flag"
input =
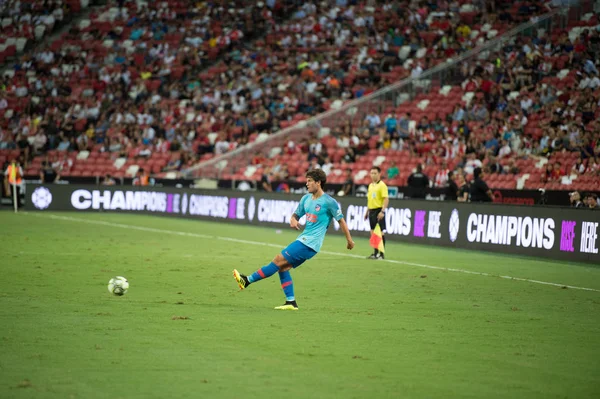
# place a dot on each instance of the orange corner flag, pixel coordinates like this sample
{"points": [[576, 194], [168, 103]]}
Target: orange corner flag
{"points": [[376, 240]]}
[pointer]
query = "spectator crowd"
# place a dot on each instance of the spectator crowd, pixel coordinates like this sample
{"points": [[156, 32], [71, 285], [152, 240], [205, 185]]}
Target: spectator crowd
{"points": [[163, 86]]}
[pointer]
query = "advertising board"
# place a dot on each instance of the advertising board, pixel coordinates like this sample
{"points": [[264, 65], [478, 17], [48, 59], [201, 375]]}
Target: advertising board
{"points": [[558, 233]]}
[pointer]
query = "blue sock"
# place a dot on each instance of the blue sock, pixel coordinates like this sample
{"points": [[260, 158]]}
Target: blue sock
{"points": [[287, 284], [263, 272]]}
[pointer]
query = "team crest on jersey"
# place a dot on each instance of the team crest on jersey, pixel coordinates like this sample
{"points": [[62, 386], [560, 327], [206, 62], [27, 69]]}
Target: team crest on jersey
{"points": [[318, 208]]}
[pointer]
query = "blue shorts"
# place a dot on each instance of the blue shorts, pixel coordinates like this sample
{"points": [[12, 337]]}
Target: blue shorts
{"points": [[297, 253]]}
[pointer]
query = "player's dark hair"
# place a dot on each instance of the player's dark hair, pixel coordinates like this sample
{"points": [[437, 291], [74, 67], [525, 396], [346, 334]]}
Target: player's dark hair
{"points": [[477, 172], [318, 176], [377, 168]]}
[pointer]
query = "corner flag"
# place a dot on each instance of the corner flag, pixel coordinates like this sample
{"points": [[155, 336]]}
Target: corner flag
{"points": [[376, 240], [13, 172]]}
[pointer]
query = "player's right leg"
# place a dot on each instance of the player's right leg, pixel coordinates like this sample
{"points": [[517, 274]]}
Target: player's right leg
{"points": [[279, 263], [241, 279]]}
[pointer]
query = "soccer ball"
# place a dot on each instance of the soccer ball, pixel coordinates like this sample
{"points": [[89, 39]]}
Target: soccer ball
{"points": [[118, 285]]}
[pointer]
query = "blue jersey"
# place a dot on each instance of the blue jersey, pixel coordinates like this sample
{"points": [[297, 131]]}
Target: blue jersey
{"points": [[319, 214]]}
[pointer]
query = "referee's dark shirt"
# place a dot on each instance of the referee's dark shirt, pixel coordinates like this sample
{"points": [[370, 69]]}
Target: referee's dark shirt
{"points": [[418, 182], [479, 190], [452, 191]]}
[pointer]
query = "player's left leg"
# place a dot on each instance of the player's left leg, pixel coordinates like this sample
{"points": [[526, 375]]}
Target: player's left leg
{"points": [[288, 289], [287, 285]]}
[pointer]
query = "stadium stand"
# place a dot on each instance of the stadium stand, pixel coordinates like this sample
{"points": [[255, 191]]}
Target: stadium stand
{"points": [[97, 90], [511, 97], [23, 23], [163, 86]]}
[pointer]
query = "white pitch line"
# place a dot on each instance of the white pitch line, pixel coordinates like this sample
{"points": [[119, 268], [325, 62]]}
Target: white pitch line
{"points": [[50, 253], [196, 235]]}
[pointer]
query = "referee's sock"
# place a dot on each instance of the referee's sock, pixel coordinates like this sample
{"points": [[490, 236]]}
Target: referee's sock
{"points": [[263, 272], [383, 240]]}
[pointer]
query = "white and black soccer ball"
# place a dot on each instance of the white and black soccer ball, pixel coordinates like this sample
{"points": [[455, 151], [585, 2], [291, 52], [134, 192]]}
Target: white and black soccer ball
{"points": [[118, 286]]}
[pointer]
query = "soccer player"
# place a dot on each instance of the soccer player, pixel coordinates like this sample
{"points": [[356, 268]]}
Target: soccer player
{"points": [[377, 203], [319, 209]]}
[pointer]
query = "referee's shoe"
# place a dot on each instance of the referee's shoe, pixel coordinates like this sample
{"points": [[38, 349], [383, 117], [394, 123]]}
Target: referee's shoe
{"points": [[378, 255]]}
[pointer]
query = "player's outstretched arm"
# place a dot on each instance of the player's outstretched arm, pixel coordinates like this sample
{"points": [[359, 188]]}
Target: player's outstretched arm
{"points": [[344, 228]]}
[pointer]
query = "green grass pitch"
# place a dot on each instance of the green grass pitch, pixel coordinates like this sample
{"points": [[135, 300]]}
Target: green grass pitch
{"points": [[365, 329]]}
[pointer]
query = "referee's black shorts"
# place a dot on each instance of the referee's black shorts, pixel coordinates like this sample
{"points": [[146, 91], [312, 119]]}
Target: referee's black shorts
{"points": [[373, 219]]}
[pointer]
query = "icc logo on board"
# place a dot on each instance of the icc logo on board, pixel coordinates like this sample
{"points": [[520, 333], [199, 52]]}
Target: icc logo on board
{"points": [[41, 198], [453, 225], [251, 208]]}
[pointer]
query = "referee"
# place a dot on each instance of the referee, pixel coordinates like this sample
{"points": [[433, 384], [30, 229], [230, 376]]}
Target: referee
{"points": [[377, 203]]}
